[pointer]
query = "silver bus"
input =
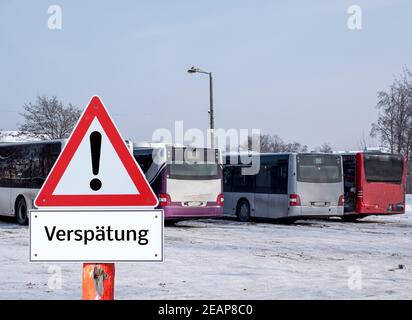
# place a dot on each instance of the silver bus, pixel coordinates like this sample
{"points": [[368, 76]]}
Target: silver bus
{"points": [[24, 167], [288, 186]]}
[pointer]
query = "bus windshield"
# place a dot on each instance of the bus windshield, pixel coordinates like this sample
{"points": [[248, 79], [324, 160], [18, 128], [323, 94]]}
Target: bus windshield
{"points": [[194, 163], [383, 168], [193, 171], [319, 168]]}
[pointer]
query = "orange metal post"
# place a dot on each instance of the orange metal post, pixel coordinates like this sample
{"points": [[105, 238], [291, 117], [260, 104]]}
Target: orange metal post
{"points": [[98, 281]]}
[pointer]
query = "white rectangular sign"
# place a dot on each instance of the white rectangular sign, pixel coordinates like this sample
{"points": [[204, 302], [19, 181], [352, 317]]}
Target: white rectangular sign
{"points": [[96, 236]]}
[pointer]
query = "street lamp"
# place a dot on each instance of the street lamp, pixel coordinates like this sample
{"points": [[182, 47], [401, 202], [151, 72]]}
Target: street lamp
{"points": [[211, 110]]}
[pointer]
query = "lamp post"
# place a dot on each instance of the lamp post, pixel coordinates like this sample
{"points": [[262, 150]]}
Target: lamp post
{"points": [[211, 110]]}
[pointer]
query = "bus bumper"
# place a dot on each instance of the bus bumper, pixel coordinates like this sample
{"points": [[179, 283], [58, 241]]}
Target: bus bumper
{"points": [[306, 211], [376, 209], [179, 212]]}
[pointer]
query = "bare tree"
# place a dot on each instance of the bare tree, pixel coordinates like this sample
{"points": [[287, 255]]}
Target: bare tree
{"points": [[325, 148], [274, 143], [48, 118], [394, 125], [295, 147]]}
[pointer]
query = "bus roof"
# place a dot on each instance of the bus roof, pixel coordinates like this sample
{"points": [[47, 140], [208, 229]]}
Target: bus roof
{"points": [[266, 158], [268, 154], [6, 144], [161, 145], [149, 144], [371, 152], [367, 150]]}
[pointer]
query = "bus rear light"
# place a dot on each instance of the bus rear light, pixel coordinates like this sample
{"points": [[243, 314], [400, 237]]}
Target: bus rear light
{"points": [[220, 200], [294, 200], [164, 199], [341, 201], [359, 193]]}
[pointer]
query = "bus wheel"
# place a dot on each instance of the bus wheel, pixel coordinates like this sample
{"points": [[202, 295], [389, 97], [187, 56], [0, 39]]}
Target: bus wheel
{"points": [[243, 211], [21, 212]]}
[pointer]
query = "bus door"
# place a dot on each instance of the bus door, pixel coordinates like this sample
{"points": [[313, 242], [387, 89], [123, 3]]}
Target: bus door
{"points": [[262, 190], [278, 197], [244, 188], [229, 206]]}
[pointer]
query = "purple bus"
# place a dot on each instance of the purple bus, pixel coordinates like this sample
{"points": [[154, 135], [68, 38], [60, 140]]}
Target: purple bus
{"points": [[186, 180]]}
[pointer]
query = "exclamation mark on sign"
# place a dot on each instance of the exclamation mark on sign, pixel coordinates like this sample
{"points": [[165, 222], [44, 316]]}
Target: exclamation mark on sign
{"points": [[95, 147]]}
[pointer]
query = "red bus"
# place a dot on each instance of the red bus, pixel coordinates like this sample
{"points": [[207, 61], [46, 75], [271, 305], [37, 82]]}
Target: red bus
{"points": [[374, 184]]}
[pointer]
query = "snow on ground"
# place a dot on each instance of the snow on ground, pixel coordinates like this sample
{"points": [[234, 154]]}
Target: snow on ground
{"points": [[225, 259]]}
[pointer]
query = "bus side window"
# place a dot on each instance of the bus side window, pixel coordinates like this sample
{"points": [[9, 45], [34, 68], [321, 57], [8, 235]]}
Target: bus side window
{"points": [[47, 157], [242, 183], [18, 167], [263, 180], [279, 181], [28, 160], [227, 179], [4, 167]]}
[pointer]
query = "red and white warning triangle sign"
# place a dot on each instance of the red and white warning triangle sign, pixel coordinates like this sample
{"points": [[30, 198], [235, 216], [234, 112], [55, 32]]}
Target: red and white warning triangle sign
{"points": [[95, 168]]}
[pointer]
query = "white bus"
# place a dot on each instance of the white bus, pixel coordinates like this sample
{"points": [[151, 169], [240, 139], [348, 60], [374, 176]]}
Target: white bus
{"points": [[186, 180], [24, 167], [288, 186]]}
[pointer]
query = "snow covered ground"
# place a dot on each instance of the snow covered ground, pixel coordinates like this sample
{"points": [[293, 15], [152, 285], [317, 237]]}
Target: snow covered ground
{"points": [[224, 259]]}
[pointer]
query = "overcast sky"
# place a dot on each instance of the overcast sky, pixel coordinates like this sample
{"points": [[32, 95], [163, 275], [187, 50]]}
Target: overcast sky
{"points": [[291, 68]]}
